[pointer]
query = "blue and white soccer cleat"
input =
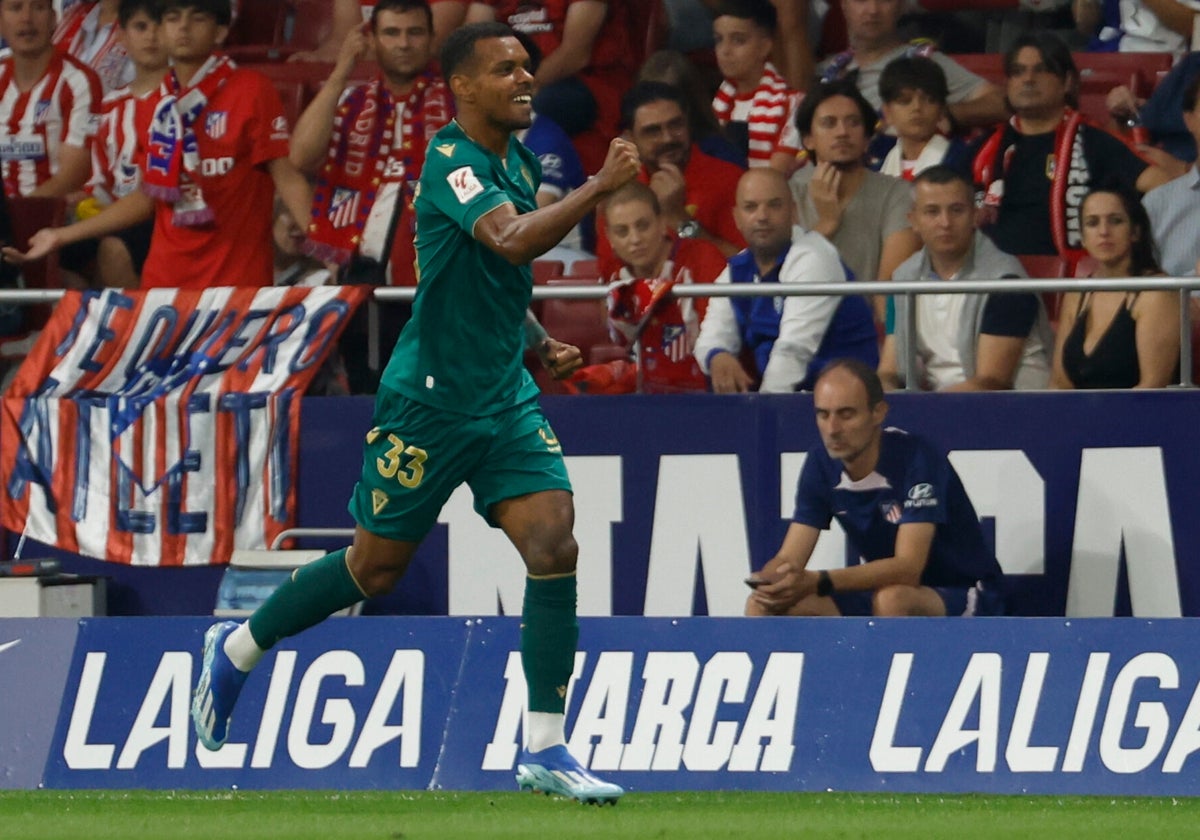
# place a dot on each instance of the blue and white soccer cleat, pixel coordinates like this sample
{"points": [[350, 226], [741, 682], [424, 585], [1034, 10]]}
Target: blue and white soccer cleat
{"points": [[218, 689], [555, 770]]}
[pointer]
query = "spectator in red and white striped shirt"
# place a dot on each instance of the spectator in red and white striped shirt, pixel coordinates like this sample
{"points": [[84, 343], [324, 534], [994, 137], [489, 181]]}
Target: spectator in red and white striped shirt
{"points": [[49, 106], [115, 172], [90, 32], [754, 101]]}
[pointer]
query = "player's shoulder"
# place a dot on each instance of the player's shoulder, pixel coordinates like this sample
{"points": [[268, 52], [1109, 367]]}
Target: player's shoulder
{"points": [[809, 246], [450, 150], [906, 446], [248, 84]]}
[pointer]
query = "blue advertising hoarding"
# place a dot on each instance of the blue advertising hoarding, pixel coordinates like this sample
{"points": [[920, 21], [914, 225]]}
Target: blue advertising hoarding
{"points": [[1095, 706], [1089, 499], [35, 655]]}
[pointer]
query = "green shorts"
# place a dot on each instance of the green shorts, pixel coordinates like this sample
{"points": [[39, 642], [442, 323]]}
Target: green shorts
{"points": [[416, 456]]}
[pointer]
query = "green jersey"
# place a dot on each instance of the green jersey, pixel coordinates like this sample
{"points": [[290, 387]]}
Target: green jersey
{"points": [[463, 350]]}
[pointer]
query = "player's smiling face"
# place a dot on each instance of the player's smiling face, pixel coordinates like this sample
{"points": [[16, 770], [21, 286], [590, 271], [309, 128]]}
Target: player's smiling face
{"points": [[502, 84]]}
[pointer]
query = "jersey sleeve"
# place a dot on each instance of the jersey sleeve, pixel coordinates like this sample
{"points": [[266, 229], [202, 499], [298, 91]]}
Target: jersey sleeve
{"points": [[926, 486], [268, 130], [1117, 159], [1009, 314], [103, 155], [461, 186], [83, 120], [813, 504]]}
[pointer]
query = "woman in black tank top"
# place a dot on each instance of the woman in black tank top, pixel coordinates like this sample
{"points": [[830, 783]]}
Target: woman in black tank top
{"points": [[1117, 339]]}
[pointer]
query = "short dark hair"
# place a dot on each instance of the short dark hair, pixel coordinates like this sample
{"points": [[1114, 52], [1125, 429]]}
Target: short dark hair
{"points": [[828, 90], [128, 8], [913, 72], [531, 47], [221, 10], [459, 46], [760, 12], [1191, 93], [643, 93], [942, 175], [861, 371], [1143, 256], [1056, 55], [400, 6]]}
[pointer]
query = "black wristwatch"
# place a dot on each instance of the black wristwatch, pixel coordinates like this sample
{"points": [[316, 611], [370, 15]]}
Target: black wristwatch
{"points": [[824, 584]]}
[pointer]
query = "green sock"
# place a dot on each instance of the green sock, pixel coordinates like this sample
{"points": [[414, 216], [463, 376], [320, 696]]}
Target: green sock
{"points": [[549, 633], [314, 592]]}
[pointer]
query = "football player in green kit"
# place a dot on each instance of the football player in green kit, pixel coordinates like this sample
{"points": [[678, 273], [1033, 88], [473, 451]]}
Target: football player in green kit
{"points": [[457, 405]]}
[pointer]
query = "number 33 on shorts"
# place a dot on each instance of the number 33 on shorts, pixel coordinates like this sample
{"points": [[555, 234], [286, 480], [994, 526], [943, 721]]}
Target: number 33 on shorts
{"points": [[404, 463]]}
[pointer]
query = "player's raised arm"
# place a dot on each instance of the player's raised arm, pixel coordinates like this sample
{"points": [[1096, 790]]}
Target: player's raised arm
{"points": [[522, 237]]}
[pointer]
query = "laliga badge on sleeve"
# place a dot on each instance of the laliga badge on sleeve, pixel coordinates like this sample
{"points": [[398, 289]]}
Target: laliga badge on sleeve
{"points": [[464, 183]]}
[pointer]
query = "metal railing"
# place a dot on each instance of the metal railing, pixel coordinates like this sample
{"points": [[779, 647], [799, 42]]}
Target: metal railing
{"points": [[908, 289]]}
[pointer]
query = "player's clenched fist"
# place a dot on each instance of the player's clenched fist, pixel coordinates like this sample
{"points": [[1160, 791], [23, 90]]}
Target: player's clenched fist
{"points": [[621, 166]]}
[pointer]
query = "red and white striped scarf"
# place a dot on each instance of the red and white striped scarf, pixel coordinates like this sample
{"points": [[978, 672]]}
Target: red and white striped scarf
{"points": [[769, 108], [173, 156], [360, 158], [1070, 170]]}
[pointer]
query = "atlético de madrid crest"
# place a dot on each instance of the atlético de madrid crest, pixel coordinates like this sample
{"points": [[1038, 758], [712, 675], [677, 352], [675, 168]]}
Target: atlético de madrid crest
{"points": [[215, 123]]}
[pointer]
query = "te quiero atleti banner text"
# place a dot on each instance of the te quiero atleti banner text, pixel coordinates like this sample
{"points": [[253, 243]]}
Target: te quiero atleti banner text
{"points": [[160, 427], [1093, 706]]}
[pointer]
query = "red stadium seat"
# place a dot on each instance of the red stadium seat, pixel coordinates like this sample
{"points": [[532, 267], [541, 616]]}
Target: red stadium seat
{"points": [[258, 32], [585, 269], [1145, 66], [546, 270], [583, 323], [295, 98], [833, 31], [311, 22], [1093, 94], [988, 65]]}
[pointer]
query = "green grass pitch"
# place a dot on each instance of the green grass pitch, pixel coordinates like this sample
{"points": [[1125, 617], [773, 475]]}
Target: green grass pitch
{"points": [[410, 815]]}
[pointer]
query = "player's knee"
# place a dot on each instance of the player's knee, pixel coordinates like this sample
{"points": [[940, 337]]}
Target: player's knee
{"points": [[375, 575], [553, 555], [894, 601], [754, 608]]}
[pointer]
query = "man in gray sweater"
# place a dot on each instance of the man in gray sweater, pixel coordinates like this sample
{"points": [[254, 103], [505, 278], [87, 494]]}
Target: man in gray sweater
{"points": [[963, 342]]}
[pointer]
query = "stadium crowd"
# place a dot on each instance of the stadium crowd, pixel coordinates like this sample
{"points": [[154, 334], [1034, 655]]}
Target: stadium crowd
{"points": [[178, 143]]}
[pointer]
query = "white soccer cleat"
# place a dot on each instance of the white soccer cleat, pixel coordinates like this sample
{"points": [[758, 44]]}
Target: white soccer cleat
{"points": [[555, 770]]}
